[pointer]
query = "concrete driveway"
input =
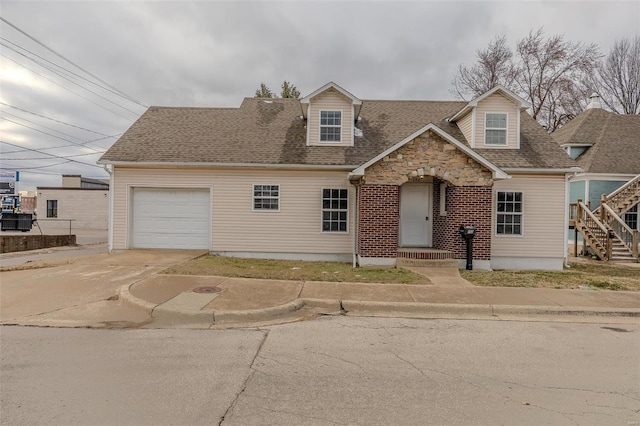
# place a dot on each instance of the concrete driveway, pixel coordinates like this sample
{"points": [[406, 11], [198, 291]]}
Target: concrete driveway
{"points": [[83, 292]]}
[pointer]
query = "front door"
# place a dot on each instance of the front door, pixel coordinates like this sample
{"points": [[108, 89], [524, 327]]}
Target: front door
{"points": [[415, 215]]}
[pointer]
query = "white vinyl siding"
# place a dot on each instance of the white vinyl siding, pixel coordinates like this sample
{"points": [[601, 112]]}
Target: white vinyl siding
{"points": [[497, 103], [235, 227], [543, 217], [466, 127], [332, 101]]}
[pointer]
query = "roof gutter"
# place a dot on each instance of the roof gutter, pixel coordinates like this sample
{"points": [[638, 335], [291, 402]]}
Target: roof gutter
{"points": [[165, 164], [542, 171]]}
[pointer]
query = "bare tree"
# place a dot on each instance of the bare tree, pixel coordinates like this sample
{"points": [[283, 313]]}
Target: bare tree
{"points": [[493, 67], [288, 91], [551, 73], [617, 79]]}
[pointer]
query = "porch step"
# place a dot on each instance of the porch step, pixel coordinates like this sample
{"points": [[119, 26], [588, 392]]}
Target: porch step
{"points": [[424, 253], [438, 263], [425, 257]]}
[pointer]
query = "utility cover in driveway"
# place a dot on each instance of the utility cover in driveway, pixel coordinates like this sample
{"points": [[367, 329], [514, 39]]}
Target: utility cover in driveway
{"points": [[171, 218]]}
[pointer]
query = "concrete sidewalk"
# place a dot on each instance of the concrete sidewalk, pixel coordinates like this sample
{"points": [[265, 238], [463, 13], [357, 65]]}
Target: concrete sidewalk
{"points": [[222, 301], [127, 289]]}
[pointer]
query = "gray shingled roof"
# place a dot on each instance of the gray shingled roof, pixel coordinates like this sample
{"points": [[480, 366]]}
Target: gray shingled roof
{"points": [[615, 141], [272, 132]]}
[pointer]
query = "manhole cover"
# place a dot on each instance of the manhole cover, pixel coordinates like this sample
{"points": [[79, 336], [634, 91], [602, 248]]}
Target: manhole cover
{"points": [[207, 289]]}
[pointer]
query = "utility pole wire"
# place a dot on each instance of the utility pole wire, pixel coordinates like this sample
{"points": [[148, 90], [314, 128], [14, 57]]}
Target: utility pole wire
{"points": [[54, 156], [66, 88], [71, 62], [52, 119]]}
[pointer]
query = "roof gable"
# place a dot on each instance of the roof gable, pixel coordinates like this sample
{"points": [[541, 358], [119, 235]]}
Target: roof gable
{"points": [[357, 103], [520, 102]]}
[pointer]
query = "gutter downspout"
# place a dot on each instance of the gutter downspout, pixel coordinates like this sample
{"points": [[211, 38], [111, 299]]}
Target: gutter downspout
{"points": [[355, 226], [110, 233], [566, 219]]}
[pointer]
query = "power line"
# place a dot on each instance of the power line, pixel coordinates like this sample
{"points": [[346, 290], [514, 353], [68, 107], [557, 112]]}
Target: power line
{"points": [[69, 61], [69, 71], [44, 167], [48, 134], [66, 88], [52, 155], [64, 77], [41, 125], [83, 145], [49, 158], [52, 119]]}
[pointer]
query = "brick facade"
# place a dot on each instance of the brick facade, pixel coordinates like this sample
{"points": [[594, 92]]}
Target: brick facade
{"points": [[379, 212], [466, 205]]}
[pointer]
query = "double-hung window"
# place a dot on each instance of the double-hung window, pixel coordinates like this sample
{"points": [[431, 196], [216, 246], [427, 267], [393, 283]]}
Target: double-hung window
{"points": [[330, 126], [52, 208], [335, 203], [266, 197], [495, 129], [509, 213]]}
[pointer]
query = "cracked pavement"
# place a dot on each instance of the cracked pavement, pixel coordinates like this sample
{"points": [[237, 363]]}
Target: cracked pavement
{"points": [[335, 370]]}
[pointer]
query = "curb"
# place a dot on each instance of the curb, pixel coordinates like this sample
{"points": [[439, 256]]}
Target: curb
{"points": [[368, 308]]}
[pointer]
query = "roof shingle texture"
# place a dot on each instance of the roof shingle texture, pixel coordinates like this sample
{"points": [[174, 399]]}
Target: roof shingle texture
{"points": [[272, 131], [615, 140]]}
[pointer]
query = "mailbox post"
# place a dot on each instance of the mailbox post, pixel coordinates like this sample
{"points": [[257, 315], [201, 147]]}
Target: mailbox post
{"points": [[467, 233]]}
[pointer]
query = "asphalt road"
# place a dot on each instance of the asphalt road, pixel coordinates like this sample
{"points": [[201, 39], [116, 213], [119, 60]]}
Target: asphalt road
{"points": [[335, 370]]}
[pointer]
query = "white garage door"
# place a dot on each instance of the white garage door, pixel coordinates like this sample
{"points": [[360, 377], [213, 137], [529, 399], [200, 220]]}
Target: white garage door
{"points": [[171, 218]]}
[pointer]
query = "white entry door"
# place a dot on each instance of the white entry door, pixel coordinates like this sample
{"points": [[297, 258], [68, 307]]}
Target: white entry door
{"points": [[415, 215]]}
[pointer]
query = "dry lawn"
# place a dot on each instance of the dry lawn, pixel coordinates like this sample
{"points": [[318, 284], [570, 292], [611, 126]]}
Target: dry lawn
{"points": [[581, 274], [294, 270]]}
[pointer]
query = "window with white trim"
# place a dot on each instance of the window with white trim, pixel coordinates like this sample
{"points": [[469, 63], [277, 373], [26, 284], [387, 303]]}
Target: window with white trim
{"points": [[335, 208], [495, 129], [330, 126], [509, 213], [266, 197]]}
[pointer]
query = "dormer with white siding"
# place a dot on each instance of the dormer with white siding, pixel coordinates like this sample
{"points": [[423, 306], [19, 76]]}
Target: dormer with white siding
{"points": [[330, 113], [492, 120]]}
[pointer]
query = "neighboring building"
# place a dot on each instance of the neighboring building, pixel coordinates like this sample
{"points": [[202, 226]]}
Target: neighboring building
{"points": [[28, 201], [83, 200], [606, 146], [331, 176]]}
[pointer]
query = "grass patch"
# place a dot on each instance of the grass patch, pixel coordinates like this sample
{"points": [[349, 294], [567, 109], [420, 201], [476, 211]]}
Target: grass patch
{"points": [[579, 275], [294, 270]]}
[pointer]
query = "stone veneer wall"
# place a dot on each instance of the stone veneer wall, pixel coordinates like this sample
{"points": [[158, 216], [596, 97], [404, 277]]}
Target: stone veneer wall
{"points": [[379, 219], [437, 157], [469, 206]]}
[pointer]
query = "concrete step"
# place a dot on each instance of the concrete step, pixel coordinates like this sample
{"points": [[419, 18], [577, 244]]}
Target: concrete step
{"points": [[403, 262]]}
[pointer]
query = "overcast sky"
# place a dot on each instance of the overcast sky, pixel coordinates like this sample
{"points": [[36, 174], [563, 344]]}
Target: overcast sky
{"points": [[213, 53]]}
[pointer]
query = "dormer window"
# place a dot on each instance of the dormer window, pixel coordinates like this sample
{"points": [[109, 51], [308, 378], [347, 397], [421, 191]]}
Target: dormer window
{"points": [[495, 129], [330, 126]]}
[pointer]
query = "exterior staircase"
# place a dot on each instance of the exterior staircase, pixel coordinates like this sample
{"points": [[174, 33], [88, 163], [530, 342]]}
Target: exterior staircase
{"points": [[604, 230]]}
